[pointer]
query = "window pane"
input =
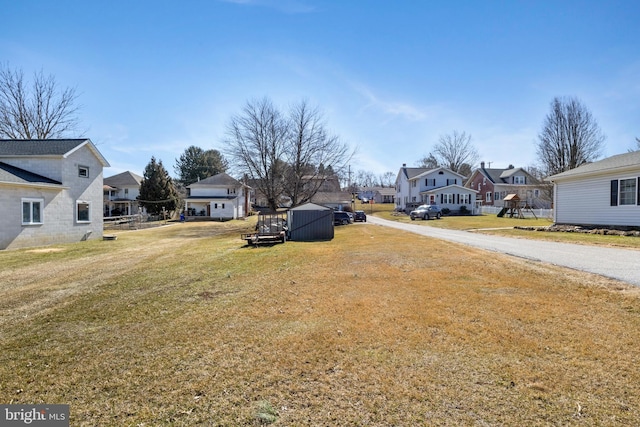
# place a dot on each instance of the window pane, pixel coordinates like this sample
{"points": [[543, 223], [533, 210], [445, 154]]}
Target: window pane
{"points": [[36, 212], [83, 212], [26, 212], [628, 191]]}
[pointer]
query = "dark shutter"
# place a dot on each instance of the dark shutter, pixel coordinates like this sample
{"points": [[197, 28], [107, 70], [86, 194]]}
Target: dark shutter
{"points": [[638, 192], [614, 192]]}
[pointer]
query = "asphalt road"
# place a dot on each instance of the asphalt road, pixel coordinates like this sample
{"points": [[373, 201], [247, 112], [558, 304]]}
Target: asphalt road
{"points": [[621, 264]]}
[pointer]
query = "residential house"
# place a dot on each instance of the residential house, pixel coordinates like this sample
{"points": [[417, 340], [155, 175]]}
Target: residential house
{"points": [[441, 186], [219, 197], [121, 192], [494, 184], [50, 192], [606, 192], [378, 194]]}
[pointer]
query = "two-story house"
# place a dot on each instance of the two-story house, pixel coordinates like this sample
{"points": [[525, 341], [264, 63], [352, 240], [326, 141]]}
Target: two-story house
{"points": [[441, 186], [120, 194], [50, 192], [219, 197], [494, 184]]}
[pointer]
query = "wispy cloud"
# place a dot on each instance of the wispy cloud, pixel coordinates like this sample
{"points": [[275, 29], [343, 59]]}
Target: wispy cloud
{"points": [[285, 6], [392, 109]]}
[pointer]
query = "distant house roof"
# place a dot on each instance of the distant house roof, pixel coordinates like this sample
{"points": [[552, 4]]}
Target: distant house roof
{"points": [[430, 171], [331, 197], [221, 179], [16, 175], [124, 179], [500, 176], [46, 147], [618, 162]]}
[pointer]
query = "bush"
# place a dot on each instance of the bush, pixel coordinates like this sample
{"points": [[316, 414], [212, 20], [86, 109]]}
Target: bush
{"points": [[464, 210], [446, 211]]}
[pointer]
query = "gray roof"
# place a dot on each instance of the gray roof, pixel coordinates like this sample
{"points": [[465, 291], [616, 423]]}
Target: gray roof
{"points": [[45, 147], [13, 174], [222, 179], [124, 179], [613, 163], [500, 176], [413, 172]]}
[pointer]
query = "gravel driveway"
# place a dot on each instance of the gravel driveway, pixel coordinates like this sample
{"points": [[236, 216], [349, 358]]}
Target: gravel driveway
{"points": [[621, 264]]}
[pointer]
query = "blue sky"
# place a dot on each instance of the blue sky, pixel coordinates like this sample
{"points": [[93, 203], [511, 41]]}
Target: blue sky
{"points": [[155, 77]]}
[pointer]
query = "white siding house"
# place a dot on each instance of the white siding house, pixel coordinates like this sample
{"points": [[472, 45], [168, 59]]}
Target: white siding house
{"points": [[439, 186], [606, 192], [217, 197], [50, 192], [121, 192]]}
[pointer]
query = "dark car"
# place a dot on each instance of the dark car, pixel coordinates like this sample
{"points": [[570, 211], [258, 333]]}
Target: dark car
{"points": [[426, 212], [359, 216], [341, 218]]}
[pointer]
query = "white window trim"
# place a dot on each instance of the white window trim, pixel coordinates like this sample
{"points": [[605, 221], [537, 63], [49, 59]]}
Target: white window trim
{"points": [[80, 168], [31, 201], [635, 192], [78, 202]]}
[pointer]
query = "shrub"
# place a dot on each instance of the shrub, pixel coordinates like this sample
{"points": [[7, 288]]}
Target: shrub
{"points": [[464, 210], [446, 211]]}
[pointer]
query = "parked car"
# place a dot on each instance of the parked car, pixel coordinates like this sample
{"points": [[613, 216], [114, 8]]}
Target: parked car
{"points": [[426, 212], [341, 218], [360, 216]]}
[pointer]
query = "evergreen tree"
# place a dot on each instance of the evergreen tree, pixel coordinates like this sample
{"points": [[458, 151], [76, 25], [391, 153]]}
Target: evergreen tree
{"points": [[196, 163], [157, 191]]}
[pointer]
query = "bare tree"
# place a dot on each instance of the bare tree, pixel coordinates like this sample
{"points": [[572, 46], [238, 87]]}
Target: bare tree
{"points": [[454, 151], [365, 178], [41, 111], [311, 152], [284, 156], [570, 137], [257, 141], [637, 147], [387, 179], [428, 161]]}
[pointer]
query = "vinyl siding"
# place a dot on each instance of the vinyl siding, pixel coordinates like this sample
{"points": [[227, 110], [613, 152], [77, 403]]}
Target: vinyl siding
{"points": [[587, 201]]}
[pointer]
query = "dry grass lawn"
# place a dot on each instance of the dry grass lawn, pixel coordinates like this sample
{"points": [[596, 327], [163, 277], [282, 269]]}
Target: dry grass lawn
{"points": [[184, 325]]}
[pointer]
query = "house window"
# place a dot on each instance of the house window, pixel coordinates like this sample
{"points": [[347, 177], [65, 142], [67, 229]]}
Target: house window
{"points": [[628, 191], [413, 183], [83, 171], [231, 191], [536, 193], [215, 206], [83, 211], [32, 211], [519, 179], [126, 193], [447, 198], [430, 182], [488, 196], [452, 181], [496, 196], [466, 199]]}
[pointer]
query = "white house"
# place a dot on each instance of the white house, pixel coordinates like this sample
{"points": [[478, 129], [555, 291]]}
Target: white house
{"points": [[50, 192], [120, 194], [217, 197], [440, 186], [606, 192]]}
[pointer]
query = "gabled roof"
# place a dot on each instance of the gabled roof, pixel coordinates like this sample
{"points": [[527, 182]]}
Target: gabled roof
{"points": [[500, 176], [124, 179], [430, 171], [16, 175], [618, 162], [46, 148], [409, 173], [221, 180]]}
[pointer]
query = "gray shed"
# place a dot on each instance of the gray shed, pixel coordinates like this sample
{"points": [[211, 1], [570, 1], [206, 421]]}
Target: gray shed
{"points": [[310, 222]]}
